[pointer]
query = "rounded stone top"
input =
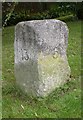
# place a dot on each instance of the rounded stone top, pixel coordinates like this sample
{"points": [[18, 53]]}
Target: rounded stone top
{"points": [[49, 35], [46, 21]]}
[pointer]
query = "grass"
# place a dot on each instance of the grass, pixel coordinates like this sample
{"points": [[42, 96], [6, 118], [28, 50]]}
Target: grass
{"points": [[67, 18], [0, 73], [64, 102]]}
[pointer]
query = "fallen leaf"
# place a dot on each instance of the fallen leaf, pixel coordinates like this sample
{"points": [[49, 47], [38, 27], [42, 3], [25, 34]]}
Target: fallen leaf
{"points": [[22, 106]]}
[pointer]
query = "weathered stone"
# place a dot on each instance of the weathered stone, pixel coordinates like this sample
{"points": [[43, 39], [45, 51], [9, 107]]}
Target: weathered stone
{"points": [[40, 56]]}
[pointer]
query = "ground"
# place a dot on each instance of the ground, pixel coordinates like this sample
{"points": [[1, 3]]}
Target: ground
{"points": [[64, 102]]}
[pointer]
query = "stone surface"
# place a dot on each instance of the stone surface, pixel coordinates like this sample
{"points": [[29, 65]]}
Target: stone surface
{"points": [[40, 56]]}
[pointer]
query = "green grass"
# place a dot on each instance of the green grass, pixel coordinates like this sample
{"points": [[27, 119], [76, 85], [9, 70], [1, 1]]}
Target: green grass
{"points": [[67, 18], [64, 102], [0, 74]]}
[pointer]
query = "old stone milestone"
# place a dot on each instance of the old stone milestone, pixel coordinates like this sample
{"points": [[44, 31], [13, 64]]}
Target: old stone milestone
{"points": [[41, 63]]}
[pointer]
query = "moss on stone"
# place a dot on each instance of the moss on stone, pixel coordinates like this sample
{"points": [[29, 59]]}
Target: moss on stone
{"points": [[50, 65]]}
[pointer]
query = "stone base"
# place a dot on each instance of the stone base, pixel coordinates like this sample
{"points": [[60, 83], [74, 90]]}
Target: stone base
{"points": [[42, 77]]}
